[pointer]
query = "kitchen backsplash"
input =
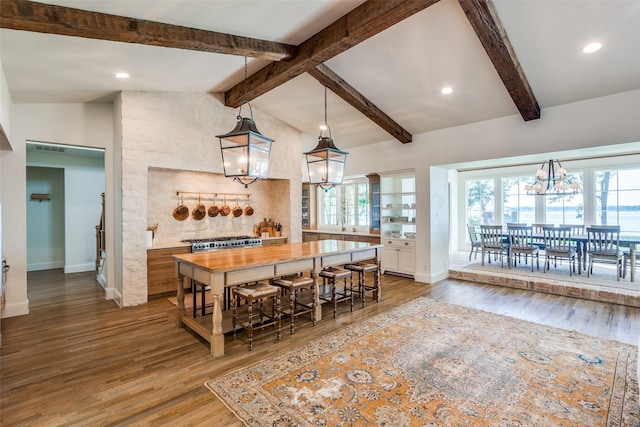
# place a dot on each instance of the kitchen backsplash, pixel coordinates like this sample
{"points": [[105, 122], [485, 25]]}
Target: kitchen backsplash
{"points": [[268, 198]]}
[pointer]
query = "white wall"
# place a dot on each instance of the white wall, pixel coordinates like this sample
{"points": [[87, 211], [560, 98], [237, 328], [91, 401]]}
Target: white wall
{"points": [[45, 219], [562, 131], [73, 124]]}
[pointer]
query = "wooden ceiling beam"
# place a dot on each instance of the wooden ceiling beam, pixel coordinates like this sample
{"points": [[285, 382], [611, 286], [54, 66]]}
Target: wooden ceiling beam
{"points": [[485, 22], [366, 20], [52, 19], [330, 79]]}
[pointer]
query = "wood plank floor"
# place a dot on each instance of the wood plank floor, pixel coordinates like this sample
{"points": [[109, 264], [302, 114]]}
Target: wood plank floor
{"points": [[78, 360]]}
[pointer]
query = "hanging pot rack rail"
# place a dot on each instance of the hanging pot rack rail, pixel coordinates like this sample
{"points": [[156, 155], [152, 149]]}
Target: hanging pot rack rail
{"points": [[206, 193]]}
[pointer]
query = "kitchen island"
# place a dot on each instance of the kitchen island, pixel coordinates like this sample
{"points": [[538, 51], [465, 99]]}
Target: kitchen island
{"points": [[222, 269]]}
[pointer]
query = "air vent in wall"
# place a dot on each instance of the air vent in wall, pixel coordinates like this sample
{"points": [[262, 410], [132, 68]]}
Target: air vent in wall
{"points": [[50, 148]]}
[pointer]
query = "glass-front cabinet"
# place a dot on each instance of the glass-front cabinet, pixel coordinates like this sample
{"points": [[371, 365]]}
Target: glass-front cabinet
{"points": [[305, 206], [398, 222], [308, 206], [374, 203]]}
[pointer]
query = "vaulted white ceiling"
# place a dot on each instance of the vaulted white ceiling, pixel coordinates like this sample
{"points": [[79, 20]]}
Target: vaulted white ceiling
{"points": [[401, 70]]}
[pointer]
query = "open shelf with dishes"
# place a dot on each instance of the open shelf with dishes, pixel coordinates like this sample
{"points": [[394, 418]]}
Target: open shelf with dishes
{"points": [[398, 222]]}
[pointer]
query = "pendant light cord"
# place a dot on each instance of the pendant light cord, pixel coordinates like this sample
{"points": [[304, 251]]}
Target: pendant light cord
{"points": [[326, 124], [245, 98]]}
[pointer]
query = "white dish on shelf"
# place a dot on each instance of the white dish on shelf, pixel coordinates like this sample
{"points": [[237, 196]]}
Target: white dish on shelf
{"points": [[410, 235]]}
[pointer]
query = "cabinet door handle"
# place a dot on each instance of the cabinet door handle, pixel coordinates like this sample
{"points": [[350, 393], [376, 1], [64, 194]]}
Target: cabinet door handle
{"points": [[406, 243]]}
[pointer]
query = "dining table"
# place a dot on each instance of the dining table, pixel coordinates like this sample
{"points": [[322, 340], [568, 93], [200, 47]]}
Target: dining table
{"points": [[629, 241], [220, 270]]}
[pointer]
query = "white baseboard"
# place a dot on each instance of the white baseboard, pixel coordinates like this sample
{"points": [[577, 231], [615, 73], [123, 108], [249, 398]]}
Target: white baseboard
{"points": [[431, 278], [45, 265], [117, 297], [79, 268], [16, 309]]}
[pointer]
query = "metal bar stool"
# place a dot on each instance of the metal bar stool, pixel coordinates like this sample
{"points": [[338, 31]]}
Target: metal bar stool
{"points": [[256, 293], [362, 268], [294, 285], [195, 288], [333, 274]]}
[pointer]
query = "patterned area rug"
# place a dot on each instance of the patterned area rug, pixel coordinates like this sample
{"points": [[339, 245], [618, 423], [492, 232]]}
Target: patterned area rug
{"points": [[429, 363]]}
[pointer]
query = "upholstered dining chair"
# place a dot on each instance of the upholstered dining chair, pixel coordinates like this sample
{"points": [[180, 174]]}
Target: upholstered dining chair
{"points": [[603, 246], [558, 244], [475, 241], [521, 243], [492, 242]]}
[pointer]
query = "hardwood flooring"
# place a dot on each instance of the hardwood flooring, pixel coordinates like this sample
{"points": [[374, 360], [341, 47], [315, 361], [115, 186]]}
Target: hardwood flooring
{"points": [[79, 360]]}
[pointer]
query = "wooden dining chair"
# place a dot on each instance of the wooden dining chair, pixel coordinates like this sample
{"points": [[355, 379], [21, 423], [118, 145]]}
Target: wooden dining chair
{"points": [[558, 244], [603, 246], [576, 229], [475, 241], [492, 242], [539, 229], [521, 243]]}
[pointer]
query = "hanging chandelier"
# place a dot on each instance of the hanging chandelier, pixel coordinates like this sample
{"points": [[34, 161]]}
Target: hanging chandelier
{"points": [[326, 162], [551, 180], [245, 151]]}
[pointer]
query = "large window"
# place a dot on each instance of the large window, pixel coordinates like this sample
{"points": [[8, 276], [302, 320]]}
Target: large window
{"points": [[617, 197], [480, 201], [345, 205], [518, 206], [567, 209]]}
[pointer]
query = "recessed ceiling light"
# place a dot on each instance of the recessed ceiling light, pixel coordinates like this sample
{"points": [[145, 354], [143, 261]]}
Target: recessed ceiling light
{"points": [[592, 47], [122, 75], [446, 90]]}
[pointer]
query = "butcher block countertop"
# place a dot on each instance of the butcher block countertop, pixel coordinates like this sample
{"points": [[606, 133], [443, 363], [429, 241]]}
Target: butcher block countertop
{"points": [[225, 261]]}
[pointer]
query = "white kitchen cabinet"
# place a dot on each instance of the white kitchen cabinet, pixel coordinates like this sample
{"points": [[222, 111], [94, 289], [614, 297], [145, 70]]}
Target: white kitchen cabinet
{"points": [[398, 225], [399, 256]]}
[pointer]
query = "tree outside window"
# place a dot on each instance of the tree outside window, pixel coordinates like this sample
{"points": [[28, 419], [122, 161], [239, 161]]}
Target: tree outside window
{"points": [[350, 200], [480, 201], [618, 199]]}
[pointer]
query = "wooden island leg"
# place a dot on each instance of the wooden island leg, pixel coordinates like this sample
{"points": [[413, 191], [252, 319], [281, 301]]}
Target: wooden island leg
{"points": [[316, 296], [180, 296], [217, 337]]}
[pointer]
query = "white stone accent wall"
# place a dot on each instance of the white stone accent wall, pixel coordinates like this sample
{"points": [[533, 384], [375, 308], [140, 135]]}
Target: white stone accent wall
{"points": [[169, 136]]}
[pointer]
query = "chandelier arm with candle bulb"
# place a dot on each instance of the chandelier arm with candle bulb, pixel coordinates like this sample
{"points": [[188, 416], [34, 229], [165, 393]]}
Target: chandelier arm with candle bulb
{"points": [[552, 181]]}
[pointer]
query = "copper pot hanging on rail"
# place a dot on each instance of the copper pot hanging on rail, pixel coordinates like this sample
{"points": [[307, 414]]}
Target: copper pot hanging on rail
{"points": [[225, 209], [237, 210], [213, 210], [200, 211], [181, 212], [248, 210]]}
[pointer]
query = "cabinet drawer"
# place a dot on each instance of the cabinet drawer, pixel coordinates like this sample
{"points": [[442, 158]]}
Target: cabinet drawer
{"points": [[294, 267], [340, 259], [250, 275], [362, 255], [396, 243]]}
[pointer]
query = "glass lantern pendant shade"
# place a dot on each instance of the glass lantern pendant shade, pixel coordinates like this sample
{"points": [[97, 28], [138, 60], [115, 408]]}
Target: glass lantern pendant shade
{"points": [[326, 162], [245, 152]]}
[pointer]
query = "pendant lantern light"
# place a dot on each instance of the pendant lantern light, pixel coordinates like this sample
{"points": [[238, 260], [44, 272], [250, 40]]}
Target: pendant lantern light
{"points": [[326, 162], [245, 151]]}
